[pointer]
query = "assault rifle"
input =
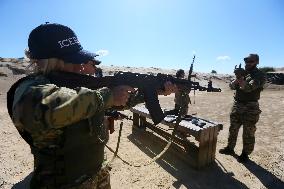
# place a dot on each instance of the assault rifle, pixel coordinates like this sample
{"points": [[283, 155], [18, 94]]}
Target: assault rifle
{"points": [[116, 115], [239, 71], [191, 70], [190, 75], [147, 84]]}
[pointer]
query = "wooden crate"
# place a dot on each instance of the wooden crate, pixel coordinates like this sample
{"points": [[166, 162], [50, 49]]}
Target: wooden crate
{"points": [[200, 152]]}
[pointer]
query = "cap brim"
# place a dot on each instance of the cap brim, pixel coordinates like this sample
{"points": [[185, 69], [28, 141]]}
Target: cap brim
{"points": [[81, 57]]}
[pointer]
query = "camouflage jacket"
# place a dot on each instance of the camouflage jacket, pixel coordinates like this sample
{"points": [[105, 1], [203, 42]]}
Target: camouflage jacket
{"points": [[57, 107], [254, 82], [182, 98], [43, 109], [62, 126]]}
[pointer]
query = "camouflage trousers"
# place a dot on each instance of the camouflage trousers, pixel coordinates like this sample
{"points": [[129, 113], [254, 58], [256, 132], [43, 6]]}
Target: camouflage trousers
{"points": [[246, 115]]}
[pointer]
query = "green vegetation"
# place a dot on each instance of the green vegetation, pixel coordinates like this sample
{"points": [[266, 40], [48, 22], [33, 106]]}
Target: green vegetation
{"points": [[213, 72]]}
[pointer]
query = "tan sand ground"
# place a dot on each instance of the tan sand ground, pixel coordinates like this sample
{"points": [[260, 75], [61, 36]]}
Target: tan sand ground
{"points": [[265, 170]]}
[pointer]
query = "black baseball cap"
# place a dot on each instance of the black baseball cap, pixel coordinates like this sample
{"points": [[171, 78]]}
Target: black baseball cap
{"points": [[58, 41], [252, 57], [179, 72]]}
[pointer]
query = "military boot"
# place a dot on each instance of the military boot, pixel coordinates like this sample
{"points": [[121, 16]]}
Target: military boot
{"points": [[227, 151], [243, 158]]}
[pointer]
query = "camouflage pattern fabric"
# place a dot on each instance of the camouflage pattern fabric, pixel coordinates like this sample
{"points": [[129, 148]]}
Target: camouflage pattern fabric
{"points": [[182, 100], [48, 109], [48, 112], [246, 115]]}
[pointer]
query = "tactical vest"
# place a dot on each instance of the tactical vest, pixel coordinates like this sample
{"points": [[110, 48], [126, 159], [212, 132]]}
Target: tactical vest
{"points": [[245, 97], [77, 154]]}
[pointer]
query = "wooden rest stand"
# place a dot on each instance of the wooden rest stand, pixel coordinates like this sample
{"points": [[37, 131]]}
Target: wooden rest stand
{"points": [[199, 153]]}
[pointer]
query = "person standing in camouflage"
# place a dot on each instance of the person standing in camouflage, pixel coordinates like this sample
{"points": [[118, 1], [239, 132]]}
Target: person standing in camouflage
{"points": [[181, 99], [245, 111], [65, 126]]}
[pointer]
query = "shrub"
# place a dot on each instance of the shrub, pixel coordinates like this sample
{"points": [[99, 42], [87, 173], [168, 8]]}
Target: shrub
{"points": [[213, 72]]}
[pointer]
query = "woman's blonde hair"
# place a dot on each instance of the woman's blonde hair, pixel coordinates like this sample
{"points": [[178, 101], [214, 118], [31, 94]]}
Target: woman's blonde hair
{"points": [[44, 66]]}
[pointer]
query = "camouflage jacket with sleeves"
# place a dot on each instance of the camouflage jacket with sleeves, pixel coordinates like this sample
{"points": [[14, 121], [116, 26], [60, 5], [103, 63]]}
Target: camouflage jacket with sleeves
{"points": [[40, 107]]}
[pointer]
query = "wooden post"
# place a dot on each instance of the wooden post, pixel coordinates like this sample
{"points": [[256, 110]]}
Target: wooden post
{"points": [[210, 144], [214, 142], [136, 118], [143, 122], [203, 148]]}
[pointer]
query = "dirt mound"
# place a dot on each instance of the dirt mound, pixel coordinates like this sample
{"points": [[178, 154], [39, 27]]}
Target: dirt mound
{"points": [[275, 78]]}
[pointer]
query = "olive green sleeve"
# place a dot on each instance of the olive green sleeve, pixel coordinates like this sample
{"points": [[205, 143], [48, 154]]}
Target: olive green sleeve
{"points": [[67, 106], [57, 107]]}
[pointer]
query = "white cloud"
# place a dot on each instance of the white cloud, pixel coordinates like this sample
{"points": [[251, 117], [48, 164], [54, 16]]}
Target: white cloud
{"points": [[223, 58], [102, 52]]}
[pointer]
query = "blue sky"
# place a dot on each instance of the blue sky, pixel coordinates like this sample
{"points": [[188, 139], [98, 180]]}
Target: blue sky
{"points": [[156, 33]]}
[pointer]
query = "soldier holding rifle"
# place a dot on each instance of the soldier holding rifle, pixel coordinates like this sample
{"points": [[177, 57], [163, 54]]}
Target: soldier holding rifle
{"points": [[181, 99], [62, 124], [245, 112]]}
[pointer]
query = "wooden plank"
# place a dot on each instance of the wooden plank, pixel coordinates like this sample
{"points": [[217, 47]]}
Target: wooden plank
{"points": [[141, 111], [190, 147], [188, 153], [203, 148], [187, 156], [142, 121], [185, 126], [135, 119], [210, 144], [214, 143], [188, 128]]}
